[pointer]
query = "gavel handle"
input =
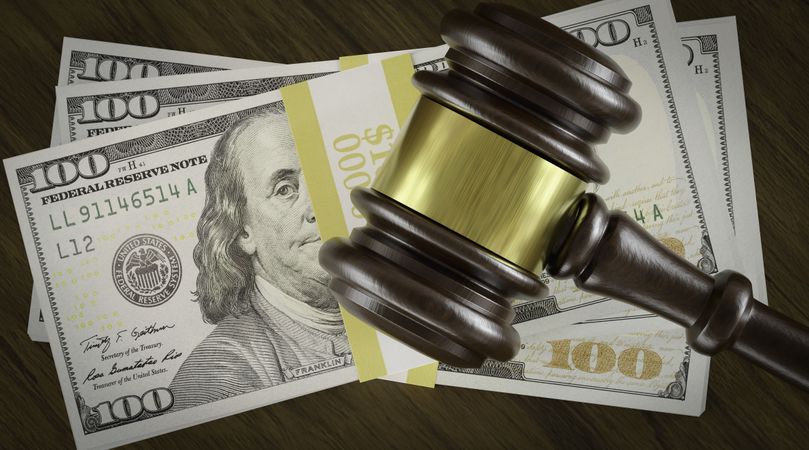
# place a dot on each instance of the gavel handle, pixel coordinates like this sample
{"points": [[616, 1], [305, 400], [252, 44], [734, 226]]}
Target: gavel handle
{"points": [[777, 343], [608, 253]]}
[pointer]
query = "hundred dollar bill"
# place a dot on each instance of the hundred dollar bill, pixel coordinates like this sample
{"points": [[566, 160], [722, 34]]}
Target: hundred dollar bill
{"points": [[177, 265], [662, 173], [663, 373], [712, 52], [651, 369], [87, 61], [89, 110], [712, 56]]}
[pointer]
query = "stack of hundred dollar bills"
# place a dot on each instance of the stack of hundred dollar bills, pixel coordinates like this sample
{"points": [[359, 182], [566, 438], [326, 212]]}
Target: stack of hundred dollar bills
{"points": [[172, 228]]}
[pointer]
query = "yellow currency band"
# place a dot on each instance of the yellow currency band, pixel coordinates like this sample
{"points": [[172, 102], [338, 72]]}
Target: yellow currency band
{"points": [[303, 120], [350, 62]]}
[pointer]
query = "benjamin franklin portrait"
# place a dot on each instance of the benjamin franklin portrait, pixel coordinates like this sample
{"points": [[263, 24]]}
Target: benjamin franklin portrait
{"points": [[259, 280]]}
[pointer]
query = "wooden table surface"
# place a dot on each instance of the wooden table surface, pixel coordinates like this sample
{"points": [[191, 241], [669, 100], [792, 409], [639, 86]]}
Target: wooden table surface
{"points": [[746, 407]]}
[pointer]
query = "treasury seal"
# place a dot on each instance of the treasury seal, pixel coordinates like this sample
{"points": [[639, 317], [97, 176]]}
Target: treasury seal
{"points": [[146, 270]]}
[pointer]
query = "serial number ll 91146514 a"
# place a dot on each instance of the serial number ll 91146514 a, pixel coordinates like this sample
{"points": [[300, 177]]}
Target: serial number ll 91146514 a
{"points": [[142, 198]]}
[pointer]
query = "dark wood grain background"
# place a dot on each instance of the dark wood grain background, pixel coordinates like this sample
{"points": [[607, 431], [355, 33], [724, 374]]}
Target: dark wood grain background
{"points": [[746, 407]]}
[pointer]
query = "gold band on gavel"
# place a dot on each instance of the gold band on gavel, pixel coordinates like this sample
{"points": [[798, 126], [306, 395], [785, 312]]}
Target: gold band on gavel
{"points": [[446, 165]]}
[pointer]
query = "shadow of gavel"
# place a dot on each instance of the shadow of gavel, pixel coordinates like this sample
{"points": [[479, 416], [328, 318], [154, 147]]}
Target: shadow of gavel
{"points": [[485, 188]]}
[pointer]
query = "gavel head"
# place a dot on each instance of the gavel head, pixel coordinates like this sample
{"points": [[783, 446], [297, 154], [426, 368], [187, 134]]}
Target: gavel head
{"points": [[464, 214]]}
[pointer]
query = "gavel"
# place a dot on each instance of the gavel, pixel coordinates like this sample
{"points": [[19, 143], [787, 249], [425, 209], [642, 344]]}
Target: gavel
{"points": [[485, 188]]}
